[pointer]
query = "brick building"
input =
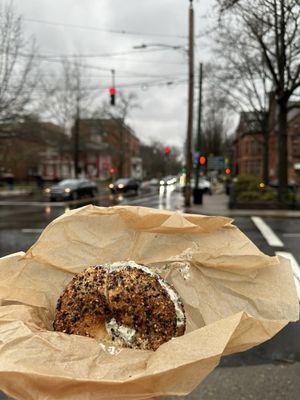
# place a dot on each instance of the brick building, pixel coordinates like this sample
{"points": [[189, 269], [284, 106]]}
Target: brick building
{"points": [[41, 149], [248, 151], [248, 145], [122, 144]]}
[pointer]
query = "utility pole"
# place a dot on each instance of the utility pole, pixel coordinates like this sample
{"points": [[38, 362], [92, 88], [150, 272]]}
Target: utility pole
{"points": [[187, 200], [198, 144], [76, 137]]}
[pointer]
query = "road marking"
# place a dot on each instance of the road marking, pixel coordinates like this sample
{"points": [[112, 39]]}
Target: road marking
{"points": [[32, 230], [291, 235], [267, 232], [294, 263], [295, 267]]}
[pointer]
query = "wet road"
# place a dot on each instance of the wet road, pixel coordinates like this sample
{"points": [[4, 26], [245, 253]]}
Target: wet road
{"points": [[22, 222]]}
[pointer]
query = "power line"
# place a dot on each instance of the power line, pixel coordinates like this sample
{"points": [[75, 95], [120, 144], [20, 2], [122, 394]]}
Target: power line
{"points": [[87, 66], [147, 84], [114, 31], [76, 56]]}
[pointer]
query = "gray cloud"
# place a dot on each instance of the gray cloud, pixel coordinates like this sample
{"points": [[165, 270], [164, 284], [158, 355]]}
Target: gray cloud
{"points": [[163, 112]]}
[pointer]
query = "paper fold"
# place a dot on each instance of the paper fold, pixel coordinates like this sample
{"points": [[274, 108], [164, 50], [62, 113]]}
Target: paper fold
{"points": [[235, 298]]}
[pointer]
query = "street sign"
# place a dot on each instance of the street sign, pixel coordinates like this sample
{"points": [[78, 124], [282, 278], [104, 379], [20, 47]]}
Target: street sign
{"points": [[215, 163]]}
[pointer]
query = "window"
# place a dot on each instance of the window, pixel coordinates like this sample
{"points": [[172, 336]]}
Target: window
{"points": [[296, 146]]}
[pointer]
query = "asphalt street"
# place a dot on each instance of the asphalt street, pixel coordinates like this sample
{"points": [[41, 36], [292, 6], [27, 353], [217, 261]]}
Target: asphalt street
{"points": [[269, 371]]}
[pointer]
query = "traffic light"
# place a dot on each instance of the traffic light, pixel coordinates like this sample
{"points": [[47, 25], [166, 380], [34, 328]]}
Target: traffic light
{"points": [[227, 171], [202, 160], [112, 92], [167, 150]]}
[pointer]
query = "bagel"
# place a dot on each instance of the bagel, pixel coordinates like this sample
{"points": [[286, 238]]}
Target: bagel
{"points": [[124, 303]]}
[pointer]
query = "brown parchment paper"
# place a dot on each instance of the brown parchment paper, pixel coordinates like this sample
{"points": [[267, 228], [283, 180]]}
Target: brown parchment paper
{"points": [[235, 297]]}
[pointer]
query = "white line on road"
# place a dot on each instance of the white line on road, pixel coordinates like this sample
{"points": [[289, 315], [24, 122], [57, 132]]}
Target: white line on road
{"points": [[291, 235], [295, 267], [294, 263], [32, 230], [267, 232]]}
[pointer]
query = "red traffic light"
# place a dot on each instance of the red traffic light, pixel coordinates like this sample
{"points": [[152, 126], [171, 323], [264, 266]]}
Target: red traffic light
{"points": [[112, 91], [202, 160], [227, 171], [167, 150]]}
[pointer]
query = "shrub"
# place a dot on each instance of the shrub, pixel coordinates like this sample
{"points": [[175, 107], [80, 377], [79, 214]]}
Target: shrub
{"points": [[246, 183]]}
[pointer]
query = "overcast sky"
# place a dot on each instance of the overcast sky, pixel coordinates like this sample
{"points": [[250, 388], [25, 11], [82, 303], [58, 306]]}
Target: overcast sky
{"points": [[157, 75]]}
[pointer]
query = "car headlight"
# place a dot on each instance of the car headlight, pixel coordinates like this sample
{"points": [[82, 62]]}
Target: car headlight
{"points": [[47, 190], [162, 182], [67, 190], [111, 186], [120, 186]]}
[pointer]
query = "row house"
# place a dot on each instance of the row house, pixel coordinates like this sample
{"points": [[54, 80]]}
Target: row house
{"points": [[41, 150], [248, 145], [248, 151], [122, 144]]}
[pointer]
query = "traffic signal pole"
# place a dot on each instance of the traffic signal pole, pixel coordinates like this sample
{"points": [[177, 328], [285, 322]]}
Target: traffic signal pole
{"points": [[112, 89], [198, 144], [188, 191]]}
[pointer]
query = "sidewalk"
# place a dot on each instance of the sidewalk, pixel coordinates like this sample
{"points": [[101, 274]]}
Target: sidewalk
{"points": [[217, 204]]}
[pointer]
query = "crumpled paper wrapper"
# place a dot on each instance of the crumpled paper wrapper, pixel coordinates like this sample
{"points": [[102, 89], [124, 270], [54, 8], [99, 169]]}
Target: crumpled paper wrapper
{"points": [[235, 297]]}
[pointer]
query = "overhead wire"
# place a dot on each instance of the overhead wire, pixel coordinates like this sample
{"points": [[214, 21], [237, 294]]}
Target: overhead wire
{"points": [[104, 30]]}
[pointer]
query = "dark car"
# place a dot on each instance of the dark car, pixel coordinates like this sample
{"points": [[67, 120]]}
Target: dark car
{"points": [[71, 189], [124, 185], [291, 184]]}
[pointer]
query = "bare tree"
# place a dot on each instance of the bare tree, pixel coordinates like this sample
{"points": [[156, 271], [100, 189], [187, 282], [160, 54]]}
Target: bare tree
{"points": [[215, 126], [67, 98], [18, 73], [243, 79], [120, 113], [156, 163], [272, 29]]}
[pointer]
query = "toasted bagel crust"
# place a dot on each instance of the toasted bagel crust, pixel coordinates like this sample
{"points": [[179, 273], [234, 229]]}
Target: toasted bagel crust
{"points": [[123, 303]]}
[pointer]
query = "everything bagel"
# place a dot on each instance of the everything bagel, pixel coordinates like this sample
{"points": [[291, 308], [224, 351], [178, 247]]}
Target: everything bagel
{"points": [[123, 303]]}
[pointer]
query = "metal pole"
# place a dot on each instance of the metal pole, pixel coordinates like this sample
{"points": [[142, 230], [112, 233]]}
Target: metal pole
{"points": [[187, 200], [113, 78], [76, 138], [198, 144]]}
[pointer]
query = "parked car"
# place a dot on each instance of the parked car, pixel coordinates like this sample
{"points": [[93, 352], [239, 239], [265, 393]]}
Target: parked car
{"points": [[203, 184], [71, 189], [291, 184], [154, 182], [124, 185]]}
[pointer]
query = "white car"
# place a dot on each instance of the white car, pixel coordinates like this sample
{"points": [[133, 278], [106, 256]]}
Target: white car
{"points": [[168, 180], [203, 184]]}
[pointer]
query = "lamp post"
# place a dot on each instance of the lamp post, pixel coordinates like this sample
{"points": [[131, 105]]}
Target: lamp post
{"points": [[188, 191]]}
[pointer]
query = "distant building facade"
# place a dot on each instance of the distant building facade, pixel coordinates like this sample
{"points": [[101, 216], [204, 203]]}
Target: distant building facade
{"points": [[122, 144], [248, 145], [42, 150], [248, 151]]}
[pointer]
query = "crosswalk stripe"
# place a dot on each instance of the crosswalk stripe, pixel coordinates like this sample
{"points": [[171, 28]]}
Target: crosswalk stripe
{"points": [[295, 267], [272, 239]]}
